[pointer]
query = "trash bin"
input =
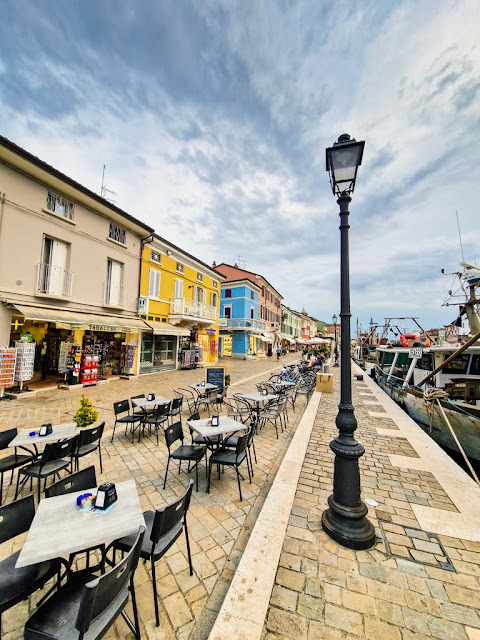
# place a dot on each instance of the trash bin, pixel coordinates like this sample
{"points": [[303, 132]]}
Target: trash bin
{"points": [[325, 382]]}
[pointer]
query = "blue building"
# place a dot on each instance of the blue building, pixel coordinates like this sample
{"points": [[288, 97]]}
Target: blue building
{"points": [[240, 329]]}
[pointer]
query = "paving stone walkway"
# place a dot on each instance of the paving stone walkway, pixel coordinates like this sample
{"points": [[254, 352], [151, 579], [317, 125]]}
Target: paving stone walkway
{"points": [[219, 523], [413, 585]]}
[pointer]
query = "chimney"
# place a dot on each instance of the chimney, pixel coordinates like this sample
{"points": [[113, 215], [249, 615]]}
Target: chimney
{"points": [[235, 266], [214, 265]]}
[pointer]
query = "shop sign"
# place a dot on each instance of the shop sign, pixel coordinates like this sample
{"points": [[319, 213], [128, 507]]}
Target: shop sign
{"points": [[142, 305], [103, 327], [210, 332]]}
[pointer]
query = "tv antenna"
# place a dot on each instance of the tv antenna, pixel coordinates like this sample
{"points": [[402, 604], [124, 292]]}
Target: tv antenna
{"points": [[460, 236], [104, 190], [241, 262]]}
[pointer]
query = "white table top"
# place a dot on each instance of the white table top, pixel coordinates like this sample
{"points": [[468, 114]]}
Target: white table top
{"points": [[145, 404], [227, 425], [258, 397], [203, 387], [59, 432], [60, 527]]}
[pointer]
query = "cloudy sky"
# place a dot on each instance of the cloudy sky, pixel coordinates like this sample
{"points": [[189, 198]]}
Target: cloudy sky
{"points": [[212, 118]]}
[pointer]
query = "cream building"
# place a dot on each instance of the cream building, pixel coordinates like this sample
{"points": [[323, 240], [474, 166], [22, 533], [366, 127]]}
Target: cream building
{"points": [[69, 266]]}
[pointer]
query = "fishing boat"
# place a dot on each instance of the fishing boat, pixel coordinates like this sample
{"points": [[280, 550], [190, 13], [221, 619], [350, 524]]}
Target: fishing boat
{"points": [[439, 385]]}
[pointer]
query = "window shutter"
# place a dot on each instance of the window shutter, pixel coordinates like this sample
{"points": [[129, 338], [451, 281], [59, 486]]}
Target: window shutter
{"points": [[154, 284]]}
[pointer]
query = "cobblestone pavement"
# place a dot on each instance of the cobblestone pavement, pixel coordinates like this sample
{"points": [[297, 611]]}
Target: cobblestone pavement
{"points": [[412, 585], [219, 523]]}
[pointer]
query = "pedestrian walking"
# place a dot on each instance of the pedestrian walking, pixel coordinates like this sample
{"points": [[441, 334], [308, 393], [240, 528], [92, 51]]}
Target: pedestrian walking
{"points": [[279, 351]]}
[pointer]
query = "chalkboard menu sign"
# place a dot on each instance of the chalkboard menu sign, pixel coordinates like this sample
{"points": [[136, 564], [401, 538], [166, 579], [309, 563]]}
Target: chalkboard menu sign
{"points": [[216, 376]]}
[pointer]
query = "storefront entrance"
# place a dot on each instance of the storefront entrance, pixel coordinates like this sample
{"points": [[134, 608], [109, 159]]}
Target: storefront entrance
{"points": [[157, 352]]}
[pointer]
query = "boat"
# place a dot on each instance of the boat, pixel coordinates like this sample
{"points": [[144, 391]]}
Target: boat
{"points": [[439, 384]]}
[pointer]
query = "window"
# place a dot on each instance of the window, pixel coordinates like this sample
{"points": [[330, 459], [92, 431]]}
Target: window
{"points": [[156, 256], [59, 205], [178, 288], [228, 293], [113, 284], [214, 299], [117, 233], [251, 313], [475, 365], [199, 277], [457, 365], [227, 312], [215, 284], [198, 293], [154, 284], [53, 277], [252, 295], [179, 267]]}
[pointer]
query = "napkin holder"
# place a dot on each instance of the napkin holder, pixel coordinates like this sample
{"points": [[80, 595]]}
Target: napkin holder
{"points": [[106, 495], [264, 392], [202, 384], [151, 397], [215, 420], [45, 429]]}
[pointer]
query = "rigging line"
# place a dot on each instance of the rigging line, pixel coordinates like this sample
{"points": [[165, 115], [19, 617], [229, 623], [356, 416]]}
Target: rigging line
{"points": [[460, 236]]}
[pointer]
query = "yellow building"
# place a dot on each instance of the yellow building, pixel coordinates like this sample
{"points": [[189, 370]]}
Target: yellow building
{"points": [[180, 301]]}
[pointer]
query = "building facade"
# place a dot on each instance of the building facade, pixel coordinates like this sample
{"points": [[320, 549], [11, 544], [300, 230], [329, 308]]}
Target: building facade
{"points": [[269, 303], [69, 268], [180, 302], [241, 330]]}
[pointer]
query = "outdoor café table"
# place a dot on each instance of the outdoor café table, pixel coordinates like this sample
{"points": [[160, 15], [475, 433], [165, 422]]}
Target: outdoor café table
{"points": [[59, 432], [258, 398], [202, 388], [226, 426], [60, 528], [149, 404]]}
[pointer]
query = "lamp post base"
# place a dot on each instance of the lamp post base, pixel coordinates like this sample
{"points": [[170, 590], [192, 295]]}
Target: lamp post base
{"points": [[348, 527]]}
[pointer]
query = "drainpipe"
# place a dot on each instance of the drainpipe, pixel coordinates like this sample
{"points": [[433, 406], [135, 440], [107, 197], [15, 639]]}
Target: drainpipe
{"points": [[2, 206]]}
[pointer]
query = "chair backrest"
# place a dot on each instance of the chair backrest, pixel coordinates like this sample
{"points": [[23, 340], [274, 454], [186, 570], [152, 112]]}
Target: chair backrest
{"points": [[173, 433], [195, 416], [100, 593], [212, 395], [121, 407], [84, 479], [16, 518], [57, 450], [176, 404], [167, 517], [6, 437], [162, 410], [231, 409], [242, 443], [89, 436]]}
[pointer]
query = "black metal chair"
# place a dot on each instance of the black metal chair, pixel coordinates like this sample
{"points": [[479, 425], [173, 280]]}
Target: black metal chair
{"points": [[231, 441], [231, 458], [51, 462], [88, 441], [123, 415], [164, 527], [175, 410], [18, 584], [84, 479], [189, 397], [87, 606], [156, 420], [189, 452], [13, 461]]}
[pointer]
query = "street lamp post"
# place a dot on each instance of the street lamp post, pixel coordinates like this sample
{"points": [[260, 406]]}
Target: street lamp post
{"points": [[345, 520], [334, 320]]}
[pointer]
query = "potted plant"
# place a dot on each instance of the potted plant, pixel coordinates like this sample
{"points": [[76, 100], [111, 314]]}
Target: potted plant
{"points": [[86, 414], [227, 379]]}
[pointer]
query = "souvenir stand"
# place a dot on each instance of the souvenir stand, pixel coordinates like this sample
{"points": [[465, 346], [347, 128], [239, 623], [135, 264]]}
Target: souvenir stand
{"points": [[24, 362], [7, 368]]}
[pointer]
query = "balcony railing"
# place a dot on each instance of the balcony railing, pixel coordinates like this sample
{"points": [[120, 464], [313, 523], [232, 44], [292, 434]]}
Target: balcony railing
{"points": [[113, 294], [245, 324], [53, 280], [183, 308]]}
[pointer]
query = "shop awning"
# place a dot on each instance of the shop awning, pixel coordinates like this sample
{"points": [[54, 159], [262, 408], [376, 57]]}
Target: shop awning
{"points": [[266, 337], [78, 320], [165, 328]]}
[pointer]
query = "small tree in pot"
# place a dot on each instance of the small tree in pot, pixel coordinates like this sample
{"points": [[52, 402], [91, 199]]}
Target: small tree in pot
{"points": [[86, 414]]}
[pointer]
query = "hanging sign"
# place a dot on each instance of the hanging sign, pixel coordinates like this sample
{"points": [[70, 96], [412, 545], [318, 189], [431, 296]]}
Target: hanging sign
{"points": [[415, 352]]}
